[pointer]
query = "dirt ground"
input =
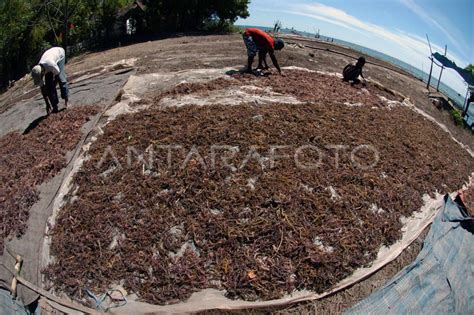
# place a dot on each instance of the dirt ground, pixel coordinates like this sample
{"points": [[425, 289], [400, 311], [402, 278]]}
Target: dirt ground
{"points": [[217, 51], [228, 50], [195, 52]]}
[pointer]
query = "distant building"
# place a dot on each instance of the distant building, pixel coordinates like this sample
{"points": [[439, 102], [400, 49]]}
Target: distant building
{"points": [[131, 20]]}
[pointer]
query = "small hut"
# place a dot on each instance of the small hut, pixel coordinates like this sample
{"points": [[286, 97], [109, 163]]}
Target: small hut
{"points": [[131, 20]]}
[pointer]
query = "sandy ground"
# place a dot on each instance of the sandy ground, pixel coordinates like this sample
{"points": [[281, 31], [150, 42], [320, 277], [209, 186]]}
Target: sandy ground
{"points": [[228, 50]]}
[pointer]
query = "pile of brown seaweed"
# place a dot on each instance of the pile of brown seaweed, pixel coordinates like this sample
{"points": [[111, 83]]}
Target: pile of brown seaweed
{"points": [[175, 200], [306, 86], [468, 199], [29, 160], [322, 88]]}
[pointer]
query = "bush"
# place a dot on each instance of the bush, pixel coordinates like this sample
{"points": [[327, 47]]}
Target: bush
{"points": [[457, 116], [217, 27]]}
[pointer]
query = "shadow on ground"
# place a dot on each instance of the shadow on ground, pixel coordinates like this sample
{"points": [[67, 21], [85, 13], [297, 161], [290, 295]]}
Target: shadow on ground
{"points": [[35, 123]]}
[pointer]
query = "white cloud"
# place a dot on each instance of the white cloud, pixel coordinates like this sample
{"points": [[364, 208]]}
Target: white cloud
{"points": [[408, 47], [325, 19], [419, 11]]}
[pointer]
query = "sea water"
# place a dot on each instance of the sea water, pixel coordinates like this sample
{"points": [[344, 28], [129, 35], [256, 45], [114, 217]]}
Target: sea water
{"points": [[457, 98]]}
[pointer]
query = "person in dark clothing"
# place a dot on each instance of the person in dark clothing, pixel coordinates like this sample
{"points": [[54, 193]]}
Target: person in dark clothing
{"points": [[352, 72], [257, 41], [49, 92]]}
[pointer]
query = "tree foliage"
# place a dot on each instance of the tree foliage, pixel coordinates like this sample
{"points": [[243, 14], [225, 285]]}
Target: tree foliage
{"points": [[470, 68], [21, 37], [186, 15], [28, 27]]}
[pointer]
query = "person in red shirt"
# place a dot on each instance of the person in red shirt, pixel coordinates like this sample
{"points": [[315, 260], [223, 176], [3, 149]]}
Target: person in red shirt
{"points": [[257, 41]]}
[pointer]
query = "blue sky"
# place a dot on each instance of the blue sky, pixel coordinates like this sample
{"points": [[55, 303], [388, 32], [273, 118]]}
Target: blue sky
{"points": [[394, 27]]}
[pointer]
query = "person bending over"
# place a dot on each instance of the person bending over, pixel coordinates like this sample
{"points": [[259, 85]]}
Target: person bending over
{"points": [[257, 41], [351, 73], [47, 73]]}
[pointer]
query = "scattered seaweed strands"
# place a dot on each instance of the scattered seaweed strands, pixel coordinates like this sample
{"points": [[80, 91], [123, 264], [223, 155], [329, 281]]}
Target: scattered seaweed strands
{"points": [[469, 199], [257, 232], [305, 86], [31, 159]]}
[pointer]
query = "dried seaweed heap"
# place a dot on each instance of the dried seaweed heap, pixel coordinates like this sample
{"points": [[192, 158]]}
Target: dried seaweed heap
{"points": [[29, 160], [312, 87], [469, 199], [176, 226]]}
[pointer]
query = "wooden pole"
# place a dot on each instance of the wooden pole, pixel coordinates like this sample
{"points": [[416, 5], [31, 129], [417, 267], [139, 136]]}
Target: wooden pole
{"points": [[466, 102], [429, 77], [467, 108], [431, 58], [66, 13], [442, 67], [439, 80]]}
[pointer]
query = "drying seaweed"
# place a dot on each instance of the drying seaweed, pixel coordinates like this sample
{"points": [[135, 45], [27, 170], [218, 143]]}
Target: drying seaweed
{"points": [[468, 199], [31, 159], [165, 231], [306, 86], [321, 88]]}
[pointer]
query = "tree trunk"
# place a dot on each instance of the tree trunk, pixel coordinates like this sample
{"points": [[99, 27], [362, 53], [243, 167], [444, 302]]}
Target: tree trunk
{"points": [[65, 25]]}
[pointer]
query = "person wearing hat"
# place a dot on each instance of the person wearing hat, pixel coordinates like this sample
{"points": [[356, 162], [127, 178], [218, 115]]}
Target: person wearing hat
{"points": [[257, 41], [351, 72], [47, 73]]}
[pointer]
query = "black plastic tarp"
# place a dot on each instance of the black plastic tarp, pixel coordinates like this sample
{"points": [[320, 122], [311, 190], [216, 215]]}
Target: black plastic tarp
{"points": [[465, 74]]}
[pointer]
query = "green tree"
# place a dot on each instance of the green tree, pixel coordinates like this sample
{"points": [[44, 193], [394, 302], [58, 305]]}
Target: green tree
{"points": [[21, 37], [82, 19], [228, 11], [470, 68], [105, 14], [28, 27], [60, 14], [187, 15]]}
